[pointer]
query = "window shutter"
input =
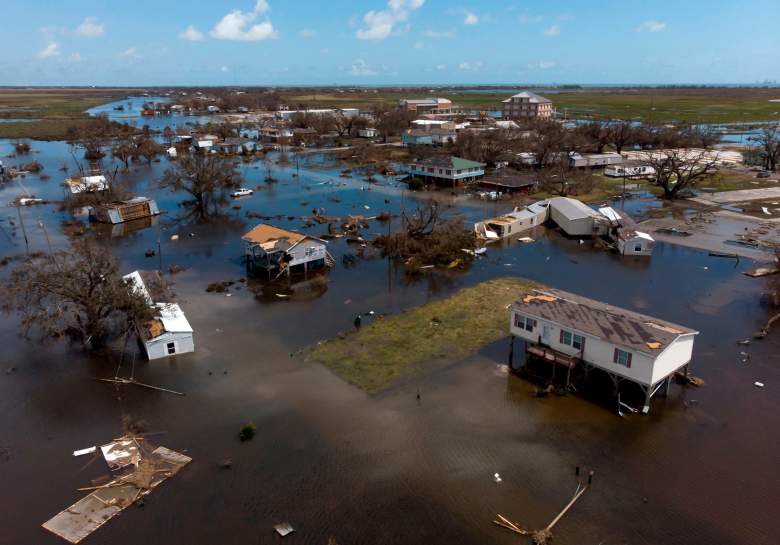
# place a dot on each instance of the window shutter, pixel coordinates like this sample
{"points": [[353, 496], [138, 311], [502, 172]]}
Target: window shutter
{"points": [[615, 356], [560, 340], [629, 360]]}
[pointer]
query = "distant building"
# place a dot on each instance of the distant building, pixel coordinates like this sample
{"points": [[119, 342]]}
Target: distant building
{"points": [[448, 170], [592, 160], [368, 132], [275, 133], [236, 145], [576, 218], [629, 171], [527, 105], [429, 136], [427, 105]]}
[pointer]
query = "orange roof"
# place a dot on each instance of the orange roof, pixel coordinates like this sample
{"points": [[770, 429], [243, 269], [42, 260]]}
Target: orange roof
{"points": [[264, 234]]}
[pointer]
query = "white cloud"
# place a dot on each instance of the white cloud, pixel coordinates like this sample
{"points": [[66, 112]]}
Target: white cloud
{"points": [[439, 34], [130, 53], [378, 25], [552, 31], [530, 19], [237, 25], [361, 68], [544, 65], [191, 34], [224, 69], [652, 26], [419, 45], [470, 65], [51, 50], [307, 33], [470, 18], [90, 28]]}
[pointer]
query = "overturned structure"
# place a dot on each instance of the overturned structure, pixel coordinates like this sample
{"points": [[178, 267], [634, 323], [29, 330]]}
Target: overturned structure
{"points": [[122, 211], [274, 250]]}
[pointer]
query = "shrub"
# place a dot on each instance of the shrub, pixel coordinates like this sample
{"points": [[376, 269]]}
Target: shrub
{"points": [[247, 431], [416, 184]]}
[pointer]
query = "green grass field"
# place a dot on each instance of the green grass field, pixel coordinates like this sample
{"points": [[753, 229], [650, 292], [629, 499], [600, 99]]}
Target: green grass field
{"points": [[424, 337], [53, 109], [711, 105]]}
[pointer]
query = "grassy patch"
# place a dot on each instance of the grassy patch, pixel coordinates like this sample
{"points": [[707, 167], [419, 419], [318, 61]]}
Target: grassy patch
{"points": [[441, 331], [53, 109], [727, 180]]}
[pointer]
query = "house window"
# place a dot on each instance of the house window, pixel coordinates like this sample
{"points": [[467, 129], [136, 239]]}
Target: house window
{"points": [[638, 248], [572, 339], [621, 357], [523, 322], [171, 347]]}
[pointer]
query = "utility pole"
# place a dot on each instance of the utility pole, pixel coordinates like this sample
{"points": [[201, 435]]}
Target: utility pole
{"points": [[24, 231]]}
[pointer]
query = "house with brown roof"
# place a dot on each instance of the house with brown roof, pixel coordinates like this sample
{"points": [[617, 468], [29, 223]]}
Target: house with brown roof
{"points": [[575, 332], [275, 250]]}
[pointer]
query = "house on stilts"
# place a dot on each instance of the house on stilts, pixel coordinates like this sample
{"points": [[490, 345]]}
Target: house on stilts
{"points": [[582, 335], [274, 251]]}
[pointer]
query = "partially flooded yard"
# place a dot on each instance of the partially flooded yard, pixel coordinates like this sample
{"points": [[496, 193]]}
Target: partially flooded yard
{"points": [[415, 463]]}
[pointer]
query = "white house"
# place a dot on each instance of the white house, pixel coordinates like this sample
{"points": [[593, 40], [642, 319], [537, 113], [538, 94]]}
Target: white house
{"points": [[570, 330], [513, 223], [168, 333], [592, 160], [368, 132], [632, 242], [629, 171]]}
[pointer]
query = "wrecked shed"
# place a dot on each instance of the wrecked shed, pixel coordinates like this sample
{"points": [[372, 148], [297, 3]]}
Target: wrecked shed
{"points": [[515, 222], [120, 212]]}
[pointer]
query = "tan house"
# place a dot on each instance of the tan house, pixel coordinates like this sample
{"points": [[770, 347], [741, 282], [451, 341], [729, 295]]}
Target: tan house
{"points": [[427, 105], [527, 105]]}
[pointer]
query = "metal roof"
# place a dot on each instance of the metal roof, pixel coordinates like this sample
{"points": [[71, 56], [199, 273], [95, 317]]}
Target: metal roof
{"points": [[449, 162], [532, 97], [572, 209], [173, 319], [616, 325]]}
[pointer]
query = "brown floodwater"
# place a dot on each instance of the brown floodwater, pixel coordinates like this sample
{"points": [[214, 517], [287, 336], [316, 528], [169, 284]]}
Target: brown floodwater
{"points": [[699, 469]]}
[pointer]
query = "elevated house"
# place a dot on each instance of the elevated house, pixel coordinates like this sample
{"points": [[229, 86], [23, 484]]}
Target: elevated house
{"points": [[168, 333], [276, 251], [575, 332], [122, 211], [451, 171]]}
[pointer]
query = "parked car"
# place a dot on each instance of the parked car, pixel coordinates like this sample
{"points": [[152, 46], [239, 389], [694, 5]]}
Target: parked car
{"points": [[243, 192], [763, 174]]}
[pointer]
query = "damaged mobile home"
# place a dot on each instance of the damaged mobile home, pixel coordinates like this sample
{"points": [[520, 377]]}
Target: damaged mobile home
{"points": [[582, 334], [515, 222], [122, 211], [274, 250], [87, 184], [168, 333]]}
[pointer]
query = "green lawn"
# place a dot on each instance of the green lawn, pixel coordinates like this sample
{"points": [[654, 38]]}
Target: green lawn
{"points": [[55, 110], [423, 337]]}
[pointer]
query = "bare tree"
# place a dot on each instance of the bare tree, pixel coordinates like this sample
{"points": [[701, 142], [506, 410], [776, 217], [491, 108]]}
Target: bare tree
{"points": [[76, 292], [597, 134], [123, 150], [487, 147], [147, 148], [207, 179], [622, 134], [769, 142], [677, 169], [559, 178], [549, 139]]}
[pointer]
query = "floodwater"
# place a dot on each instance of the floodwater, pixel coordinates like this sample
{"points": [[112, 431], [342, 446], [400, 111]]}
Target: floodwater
{"points": [[333, 461]]}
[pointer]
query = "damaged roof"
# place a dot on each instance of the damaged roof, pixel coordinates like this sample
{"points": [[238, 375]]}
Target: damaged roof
{"points": [[274, 238], [616, 325]]}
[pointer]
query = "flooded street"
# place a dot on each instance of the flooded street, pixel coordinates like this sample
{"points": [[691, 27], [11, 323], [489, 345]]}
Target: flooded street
{"points": [[390, 468]]}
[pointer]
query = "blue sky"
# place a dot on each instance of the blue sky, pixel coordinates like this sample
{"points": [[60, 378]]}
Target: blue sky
{"points": [[375, 42]]}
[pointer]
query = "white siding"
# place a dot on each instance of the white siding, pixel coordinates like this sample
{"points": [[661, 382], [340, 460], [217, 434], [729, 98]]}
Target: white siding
{"points": [[298, 253], [675, 356], [158, 348], [597, 352]]}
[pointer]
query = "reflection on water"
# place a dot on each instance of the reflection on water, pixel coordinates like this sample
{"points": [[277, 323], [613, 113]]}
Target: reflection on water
{"points": [[390, 468]]}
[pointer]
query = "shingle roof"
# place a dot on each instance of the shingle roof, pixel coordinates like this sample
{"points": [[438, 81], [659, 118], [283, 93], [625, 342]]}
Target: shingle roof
{"points": [[532, 97], [270, 237], [616, 325], [449, 162]]}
